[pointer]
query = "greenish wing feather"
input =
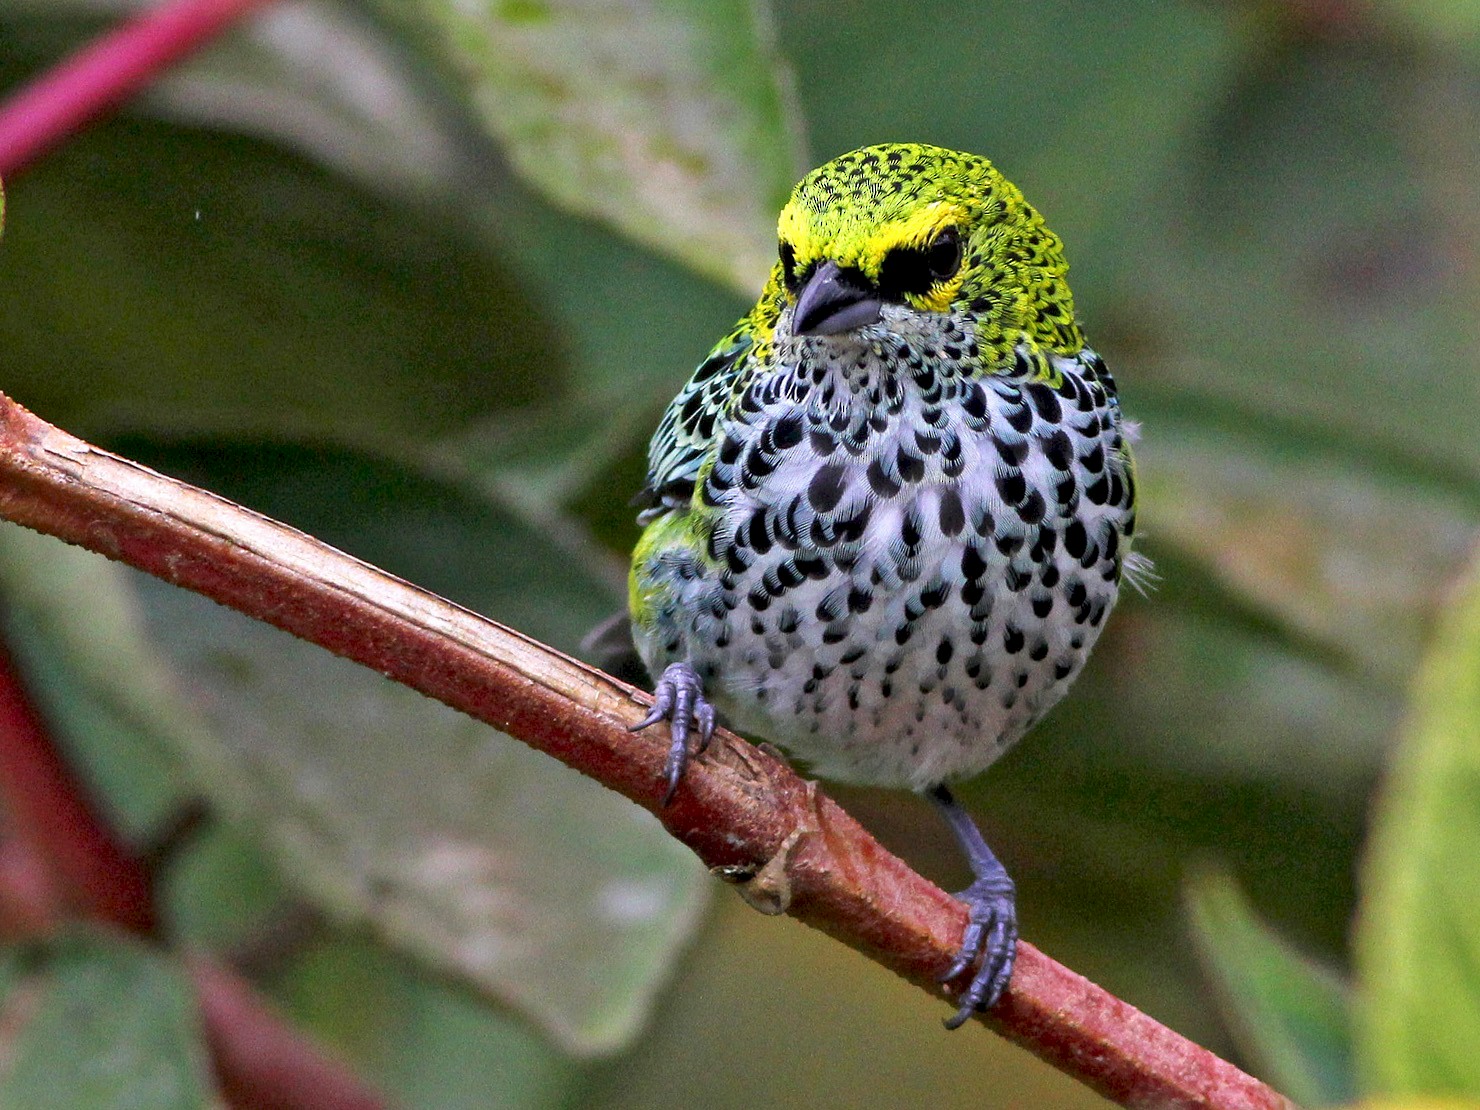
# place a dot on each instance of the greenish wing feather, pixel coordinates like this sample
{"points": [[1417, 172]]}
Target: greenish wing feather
{"points": [[688, 429]]}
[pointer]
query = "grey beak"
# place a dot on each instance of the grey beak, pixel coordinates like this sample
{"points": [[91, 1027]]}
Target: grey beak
{"points": [[831, 302]]}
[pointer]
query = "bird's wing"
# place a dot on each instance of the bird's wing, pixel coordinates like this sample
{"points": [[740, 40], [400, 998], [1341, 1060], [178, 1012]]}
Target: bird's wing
{"points": [[688, 429]]}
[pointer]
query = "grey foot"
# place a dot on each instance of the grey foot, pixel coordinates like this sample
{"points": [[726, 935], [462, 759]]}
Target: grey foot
{"points": [[991, 934], [679, 699]]}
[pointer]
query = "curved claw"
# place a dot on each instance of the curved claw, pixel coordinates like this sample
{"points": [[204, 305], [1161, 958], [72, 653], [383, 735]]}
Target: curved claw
{"points": [[655, 714], [679, 699], [991, 935], [704, 713], [678, 756]]}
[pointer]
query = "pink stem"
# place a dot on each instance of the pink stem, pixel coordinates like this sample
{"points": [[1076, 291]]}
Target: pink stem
{"points": [[52, 810], [101, 76]]}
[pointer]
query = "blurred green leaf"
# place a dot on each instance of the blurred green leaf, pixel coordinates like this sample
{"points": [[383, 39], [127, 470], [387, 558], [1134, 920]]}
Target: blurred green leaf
{"points": [[209, 285], [481, 856], [221, 893], [95, 1020], [670, 119], [323, 79], [1299, 265], [1333, 550], [230, 289], [467, 848], [1418, 932], [424, 1041], [1290, 1014], [319, 77], [1444, 22], [1296, 325]]}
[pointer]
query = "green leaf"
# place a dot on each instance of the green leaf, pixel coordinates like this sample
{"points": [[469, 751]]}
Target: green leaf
{"points": [[484, 858], [210, 285], [1299, 257], [1291, 1015], [423, 1040], [100, 1021], [1444, 22], [327, 81], [1320, 543], [456, 843], [671, 120], [1418, 933], [220, 891]]}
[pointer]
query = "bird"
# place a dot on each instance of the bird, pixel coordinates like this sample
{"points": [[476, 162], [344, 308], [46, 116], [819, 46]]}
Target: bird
{"points": [[886, 518]]}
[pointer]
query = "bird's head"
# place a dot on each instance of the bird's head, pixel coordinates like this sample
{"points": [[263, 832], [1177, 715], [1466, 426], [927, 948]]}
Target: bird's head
{"points": [[905, 239]]}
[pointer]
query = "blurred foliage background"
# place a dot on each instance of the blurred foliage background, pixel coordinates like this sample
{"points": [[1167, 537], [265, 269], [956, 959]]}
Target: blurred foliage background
{"points": [[419, 279]]}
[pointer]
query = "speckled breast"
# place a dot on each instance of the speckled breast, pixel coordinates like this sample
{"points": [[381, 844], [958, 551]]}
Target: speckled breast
{"points": [[909, 569]]}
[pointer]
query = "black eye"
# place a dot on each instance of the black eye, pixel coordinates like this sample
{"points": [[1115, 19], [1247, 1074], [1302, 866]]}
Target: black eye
{"points": [[916, 269], [944, 254], [788, 265]]}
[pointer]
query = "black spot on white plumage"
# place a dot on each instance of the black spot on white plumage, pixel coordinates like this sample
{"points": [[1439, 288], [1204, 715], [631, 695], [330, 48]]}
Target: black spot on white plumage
{"points": [[882, 483], [1058, 450], [910, 529], [825, 489], [1076, 539], [952, 513], [1044, 402], [1011, 452], [911, 468]]}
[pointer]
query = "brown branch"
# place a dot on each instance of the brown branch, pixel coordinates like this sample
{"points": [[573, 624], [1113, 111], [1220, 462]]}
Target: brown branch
{"points": [[739, 808]]}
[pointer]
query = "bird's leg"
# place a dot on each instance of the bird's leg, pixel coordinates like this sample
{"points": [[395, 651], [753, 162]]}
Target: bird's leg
{"points": [[679, 699], [992, 931]]}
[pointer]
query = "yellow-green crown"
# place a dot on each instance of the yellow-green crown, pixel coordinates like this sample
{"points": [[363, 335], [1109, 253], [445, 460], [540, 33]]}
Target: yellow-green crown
{"points": [[862, 207]]}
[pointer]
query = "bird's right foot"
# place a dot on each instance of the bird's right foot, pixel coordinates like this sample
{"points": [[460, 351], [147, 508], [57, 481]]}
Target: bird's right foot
{"points": [[991, 931], [679, 699], [991, 936]]}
